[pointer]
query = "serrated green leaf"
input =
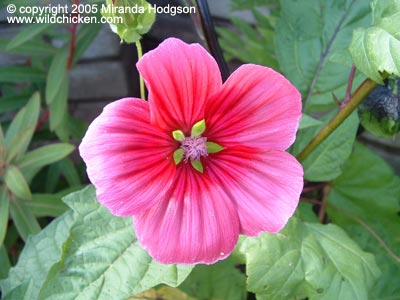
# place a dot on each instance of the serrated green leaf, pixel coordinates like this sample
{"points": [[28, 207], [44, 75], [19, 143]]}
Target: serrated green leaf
{"points": [[308, 34], [219, 281], [16, 183], [118, 266], [369, 190], [57, 75], [308, 260], [4, 208], [46, 205], [34, 160], [41, 251], [26, 34], [23, 218], [18, 74], [376, 49], [326, 161], [25, 120]]}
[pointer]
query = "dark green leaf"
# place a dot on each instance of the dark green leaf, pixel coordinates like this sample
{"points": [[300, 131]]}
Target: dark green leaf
{"points": [[26, 119], [118, 266], [219, 281], [34, 160], [4, 208], [24, 219], [28, 33], [369, 191], [376, 49], [326, 161], [39, 254], [84, 37], [309, 33], [48, 205], [18, 74], [308, 260], [16, 183], [69, 171]]}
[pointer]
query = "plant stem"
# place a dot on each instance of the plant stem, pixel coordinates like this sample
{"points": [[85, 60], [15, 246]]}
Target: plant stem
{"points": [[363, 90], [140, 54]]}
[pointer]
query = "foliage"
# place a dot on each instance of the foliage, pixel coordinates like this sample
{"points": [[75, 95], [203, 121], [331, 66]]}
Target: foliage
{"points": [[343, 242]]}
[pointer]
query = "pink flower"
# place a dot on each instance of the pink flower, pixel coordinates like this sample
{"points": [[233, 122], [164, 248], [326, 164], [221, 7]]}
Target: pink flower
{"points": [[201, 162]]}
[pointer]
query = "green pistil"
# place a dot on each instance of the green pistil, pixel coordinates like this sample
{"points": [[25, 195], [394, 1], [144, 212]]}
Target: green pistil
{"points": [[194, 147]]}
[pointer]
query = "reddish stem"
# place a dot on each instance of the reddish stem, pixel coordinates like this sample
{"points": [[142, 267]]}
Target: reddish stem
{"points": [[72, 30], [347, 97], [42, 120]]}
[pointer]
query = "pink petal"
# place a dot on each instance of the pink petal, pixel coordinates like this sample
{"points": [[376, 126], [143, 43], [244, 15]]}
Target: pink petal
{"points": [[257, 107], [128, 160], [195, 223], [264, 185], [180, 78]]}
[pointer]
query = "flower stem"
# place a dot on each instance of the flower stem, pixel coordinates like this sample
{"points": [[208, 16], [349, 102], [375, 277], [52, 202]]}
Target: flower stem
{"points": [[140, 54], [362, 91]]}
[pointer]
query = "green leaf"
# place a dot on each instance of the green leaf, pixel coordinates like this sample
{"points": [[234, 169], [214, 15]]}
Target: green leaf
{"points": [[307, 121], [41, 251], [326, 161], [21, 292], [69, 171], [198, 128], [16, 183], [4, 208], [4, 262], [28, 33], [12, 102], [34, 160], [219, 281], [369, 190], [31, 48], [308, 34], [376, 49], [58, 107], [26, 119], [84, 38], [24, 219], [18, 144], [308, 260], [18, 74], [57, 75], [46, 205], [118, 266]]}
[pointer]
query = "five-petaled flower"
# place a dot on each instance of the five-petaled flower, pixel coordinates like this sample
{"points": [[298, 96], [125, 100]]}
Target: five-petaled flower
{"points": [[202, 161]]}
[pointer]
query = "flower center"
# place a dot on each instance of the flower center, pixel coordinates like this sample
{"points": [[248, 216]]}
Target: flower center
{"points": [[194, 148]]}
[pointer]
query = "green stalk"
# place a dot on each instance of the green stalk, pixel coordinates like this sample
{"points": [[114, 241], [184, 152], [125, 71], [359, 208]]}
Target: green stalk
{"points": [[355, 100], [140, 54]]}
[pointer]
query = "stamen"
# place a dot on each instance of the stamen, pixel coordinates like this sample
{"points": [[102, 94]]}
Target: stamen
{"points": [[194, 148]]}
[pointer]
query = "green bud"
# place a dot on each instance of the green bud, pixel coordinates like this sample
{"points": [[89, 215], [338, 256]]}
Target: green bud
{"points": [[178, 135], [178, 156], [197, 165], [213, 147], [198, 128], [136, 15]]}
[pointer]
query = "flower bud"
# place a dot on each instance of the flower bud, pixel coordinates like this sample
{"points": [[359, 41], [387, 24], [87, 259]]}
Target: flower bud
{"points": [[131, 18]]}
